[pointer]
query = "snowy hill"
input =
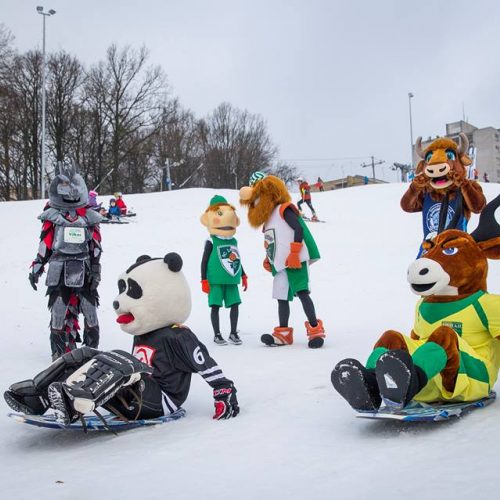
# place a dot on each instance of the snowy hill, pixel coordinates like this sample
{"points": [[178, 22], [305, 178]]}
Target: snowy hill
{"points": [[295, 437]]}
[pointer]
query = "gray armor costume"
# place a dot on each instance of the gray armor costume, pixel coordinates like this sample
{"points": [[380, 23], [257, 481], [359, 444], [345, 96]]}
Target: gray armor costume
{"points": [[71, 244]]}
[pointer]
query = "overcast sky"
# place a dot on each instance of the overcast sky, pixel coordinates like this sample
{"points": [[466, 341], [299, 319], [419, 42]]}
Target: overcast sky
{"points": [[331, 78]]}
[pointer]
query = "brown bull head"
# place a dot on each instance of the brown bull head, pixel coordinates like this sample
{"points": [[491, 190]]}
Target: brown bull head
{"points": [[443, 161], [454, 263]]}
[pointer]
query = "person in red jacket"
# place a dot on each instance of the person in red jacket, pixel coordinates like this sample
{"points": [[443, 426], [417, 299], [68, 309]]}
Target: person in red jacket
{"points": [[120, 203], [305, 194]]}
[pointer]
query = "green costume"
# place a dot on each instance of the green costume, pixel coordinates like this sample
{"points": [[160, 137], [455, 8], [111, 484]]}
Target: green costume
{"points": [[224, 272]]}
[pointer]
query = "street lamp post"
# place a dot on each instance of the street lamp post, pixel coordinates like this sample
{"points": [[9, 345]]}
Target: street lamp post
{"points": [[410, 95], [43, 171]]}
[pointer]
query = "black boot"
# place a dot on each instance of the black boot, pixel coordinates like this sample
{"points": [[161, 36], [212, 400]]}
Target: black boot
{"points": [[357, 385], [399, 379]]}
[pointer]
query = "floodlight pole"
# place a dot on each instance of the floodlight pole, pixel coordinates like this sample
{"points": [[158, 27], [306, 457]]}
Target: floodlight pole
{"points": [[43, 170], [410, 95]]}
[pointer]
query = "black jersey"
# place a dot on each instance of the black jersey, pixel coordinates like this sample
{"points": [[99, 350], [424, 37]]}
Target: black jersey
{"points": [[174, 353]]}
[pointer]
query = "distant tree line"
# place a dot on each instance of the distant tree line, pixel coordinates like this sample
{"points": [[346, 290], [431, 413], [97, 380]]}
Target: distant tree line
{"points": [[118, 120]]}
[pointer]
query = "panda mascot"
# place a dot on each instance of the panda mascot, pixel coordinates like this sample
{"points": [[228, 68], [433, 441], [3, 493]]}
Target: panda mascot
{"points": [[154, 300]]}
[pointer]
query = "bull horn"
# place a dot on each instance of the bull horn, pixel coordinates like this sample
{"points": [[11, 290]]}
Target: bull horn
{"points": [[488, 226], [418, 147], [463, 144]]}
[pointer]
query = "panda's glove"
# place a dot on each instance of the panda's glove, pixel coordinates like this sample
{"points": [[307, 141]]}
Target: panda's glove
{"points": [[225, 402], [293, 259], [205, 286]]}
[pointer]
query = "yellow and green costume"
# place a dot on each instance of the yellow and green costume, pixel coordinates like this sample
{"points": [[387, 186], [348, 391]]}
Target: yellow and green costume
{"points": [[476, 321]]}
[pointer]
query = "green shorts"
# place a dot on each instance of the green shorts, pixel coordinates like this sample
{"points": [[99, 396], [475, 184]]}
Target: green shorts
{"points": [[288, 282], [227, 295]]}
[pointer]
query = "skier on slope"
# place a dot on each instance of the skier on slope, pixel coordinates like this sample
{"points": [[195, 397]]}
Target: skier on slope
{"points": [[70, 244], [305, 197]]}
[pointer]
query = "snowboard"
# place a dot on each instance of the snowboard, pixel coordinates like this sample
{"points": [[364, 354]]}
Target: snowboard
{"points": [[93, 423], [424, 412]]}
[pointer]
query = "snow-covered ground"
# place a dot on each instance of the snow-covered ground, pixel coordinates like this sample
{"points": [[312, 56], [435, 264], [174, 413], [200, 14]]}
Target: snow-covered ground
{"points": [[295, 437]]}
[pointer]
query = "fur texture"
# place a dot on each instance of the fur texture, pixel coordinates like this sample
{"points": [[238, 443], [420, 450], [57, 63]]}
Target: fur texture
{"points": [[439, 174], [263, 198]]}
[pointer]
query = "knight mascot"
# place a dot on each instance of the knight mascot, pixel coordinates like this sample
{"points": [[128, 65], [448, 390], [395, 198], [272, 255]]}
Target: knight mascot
{"points": [[70, 244]]}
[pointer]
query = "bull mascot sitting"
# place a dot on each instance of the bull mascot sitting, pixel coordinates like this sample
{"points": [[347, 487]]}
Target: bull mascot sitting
{"points": [[453, 354], [440, 189]]}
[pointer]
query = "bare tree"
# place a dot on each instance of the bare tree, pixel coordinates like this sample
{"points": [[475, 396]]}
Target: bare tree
{"points": [[235, 143], [128, 94], [286, 172], [176, 141], [24, 82], [65, 76]]}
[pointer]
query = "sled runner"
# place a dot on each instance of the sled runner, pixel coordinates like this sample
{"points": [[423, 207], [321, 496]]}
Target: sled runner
{"points": [[93, 423], [114, 221], [423, 412]]}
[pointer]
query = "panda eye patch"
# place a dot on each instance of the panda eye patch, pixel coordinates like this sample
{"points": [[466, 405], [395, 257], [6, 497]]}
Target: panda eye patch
{"points": [[134, 289], [122, 286]]}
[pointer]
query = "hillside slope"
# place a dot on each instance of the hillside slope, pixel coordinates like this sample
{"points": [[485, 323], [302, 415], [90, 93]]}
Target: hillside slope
{"points": [[295, 437]]}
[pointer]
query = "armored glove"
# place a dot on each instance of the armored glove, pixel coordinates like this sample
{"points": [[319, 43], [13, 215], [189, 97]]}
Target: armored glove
{"points": [[95, 276]]}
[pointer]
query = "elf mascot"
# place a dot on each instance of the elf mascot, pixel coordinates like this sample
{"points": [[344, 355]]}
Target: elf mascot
{"points": [[154, 300], [221, 268], [453, 353], [440, 189], [290, 248], [70, 244]]}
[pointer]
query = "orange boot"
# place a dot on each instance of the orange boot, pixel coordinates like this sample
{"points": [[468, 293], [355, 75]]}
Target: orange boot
{"points": [[315, 334], [281, 336]]}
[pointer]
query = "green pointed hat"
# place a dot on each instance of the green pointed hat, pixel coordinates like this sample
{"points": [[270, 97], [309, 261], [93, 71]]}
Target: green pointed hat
{"points": [[218, 200]]}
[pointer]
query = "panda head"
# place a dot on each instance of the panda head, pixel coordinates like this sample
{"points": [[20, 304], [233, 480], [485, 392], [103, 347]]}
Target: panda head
{"points": [[153, 294]]}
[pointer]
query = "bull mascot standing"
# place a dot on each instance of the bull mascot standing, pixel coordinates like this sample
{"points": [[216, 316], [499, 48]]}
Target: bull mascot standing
{"points": [[290, 248], [70, 243], [440, 189], [453, 353]]}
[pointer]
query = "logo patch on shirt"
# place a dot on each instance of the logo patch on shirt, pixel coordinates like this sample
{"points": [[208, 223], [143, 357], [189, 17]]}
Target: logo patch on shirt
{"points": [[456, 325], [144, 353], [270, 244], [74, 234], [230, 259], [432, 216]]}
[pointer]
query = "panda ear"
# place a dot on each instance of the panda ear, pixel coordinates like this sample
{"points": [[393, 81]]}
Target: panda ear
{"points": [[173, 261], [142, 258]]}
